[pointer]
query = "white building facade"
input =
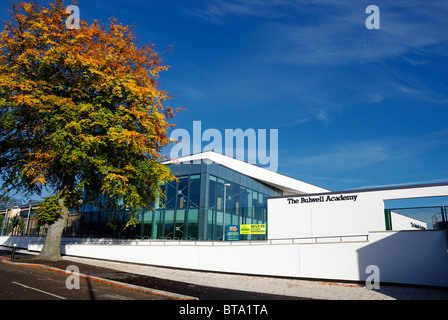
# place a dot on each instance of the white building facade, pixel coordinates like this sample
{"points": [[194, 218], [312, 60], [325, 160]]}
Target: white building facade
{"points": [[343, 213]]}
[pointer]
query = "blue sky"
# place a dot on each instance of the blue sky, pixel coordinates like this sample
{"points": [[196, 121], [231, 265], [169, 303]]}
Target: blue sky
{"points": [[354, 108]]}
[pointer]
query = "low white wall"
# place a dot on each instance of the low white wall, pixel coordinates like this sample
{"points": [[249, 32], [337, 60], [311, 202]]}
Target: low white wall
{"points": [[406, 257], [413, 257]]}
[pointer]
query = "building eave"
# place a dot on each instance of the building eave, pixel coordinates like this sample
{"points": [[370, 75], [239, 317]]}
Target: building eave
{"points": [[288, 185]]}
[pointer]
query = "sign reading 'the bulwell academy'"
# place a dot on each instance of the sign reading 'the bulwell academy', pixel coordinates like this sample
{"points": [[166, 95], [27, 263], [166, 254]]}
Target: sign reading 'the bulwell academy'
{"points": [[322, 199]]}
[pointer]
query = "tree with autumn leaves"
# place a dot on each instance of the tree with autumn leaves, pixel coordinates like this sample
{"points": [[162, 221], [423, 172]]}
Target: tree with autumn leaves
{"points": [[81, 114]]}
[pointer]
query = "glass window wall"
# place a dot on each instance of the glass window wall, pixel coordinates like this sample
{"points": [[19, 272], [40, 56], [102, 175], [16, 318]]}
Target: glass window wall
{"points": [[203, 199]]}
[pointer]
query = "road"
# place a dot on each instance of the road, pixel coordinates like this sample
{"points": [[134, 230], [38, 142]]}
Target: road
{"points": [[170, 287], [21, 282]]}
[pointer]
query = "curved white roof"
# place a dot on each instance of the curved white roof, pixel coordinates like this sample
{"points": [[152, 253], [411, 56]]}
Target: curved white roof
{"points": [[288, 185]]}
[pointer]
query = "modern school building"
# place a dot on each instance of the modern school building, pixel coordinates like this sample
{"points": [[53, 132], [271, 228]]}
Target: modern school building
{"points": [[223, 214]]}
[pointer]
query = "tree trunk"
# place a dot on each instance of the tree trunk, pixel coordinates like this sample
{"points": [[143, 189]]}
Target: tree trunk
{"points": [[51, 250]]}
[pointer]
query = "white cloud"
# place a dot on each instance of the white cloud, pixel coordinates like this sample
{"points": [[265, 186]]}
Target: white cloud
{"points": [[333, 32], [338, 42], [402, 184], [217, 11], [352, 156]]}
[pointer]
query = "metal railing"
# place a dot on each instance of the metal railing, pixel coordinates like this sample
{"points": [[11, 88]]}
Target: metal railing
{"points": [[322, 239], [417, 218], [165, 242]]}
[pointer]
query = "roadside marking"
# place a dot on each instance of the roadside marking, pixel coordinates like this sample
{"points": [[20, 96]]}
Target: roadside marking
{"points": [[115, 297], [109, 282], [25, 286]]}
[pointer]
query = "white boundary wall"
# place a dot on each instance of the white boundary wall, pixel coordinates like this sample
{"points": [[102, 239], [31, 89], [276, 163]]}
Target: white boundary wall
{"points": [[406, 257]]}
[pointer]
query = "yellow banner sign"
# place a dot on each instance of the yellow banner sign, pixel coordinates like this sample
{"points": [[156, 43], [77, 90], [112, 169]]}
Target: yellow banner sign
{"points": [[253, 229]]}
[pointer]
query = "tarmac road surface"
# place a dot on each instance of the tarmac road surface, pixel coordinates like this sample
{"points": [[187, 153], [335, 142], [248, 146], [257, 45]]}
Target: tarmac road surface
{"points": [[165, 287], [34, 282]]}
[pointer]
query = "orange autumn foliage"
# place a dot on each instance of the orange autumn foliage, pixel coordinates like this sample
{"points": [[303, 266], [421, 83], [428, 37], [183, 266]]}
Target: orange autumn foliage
{"points": [[82, 111]]}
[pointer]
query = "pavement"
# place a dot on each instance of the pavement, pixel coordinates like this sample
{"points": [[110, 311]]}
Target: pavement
{"points": [[189, 284]]}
